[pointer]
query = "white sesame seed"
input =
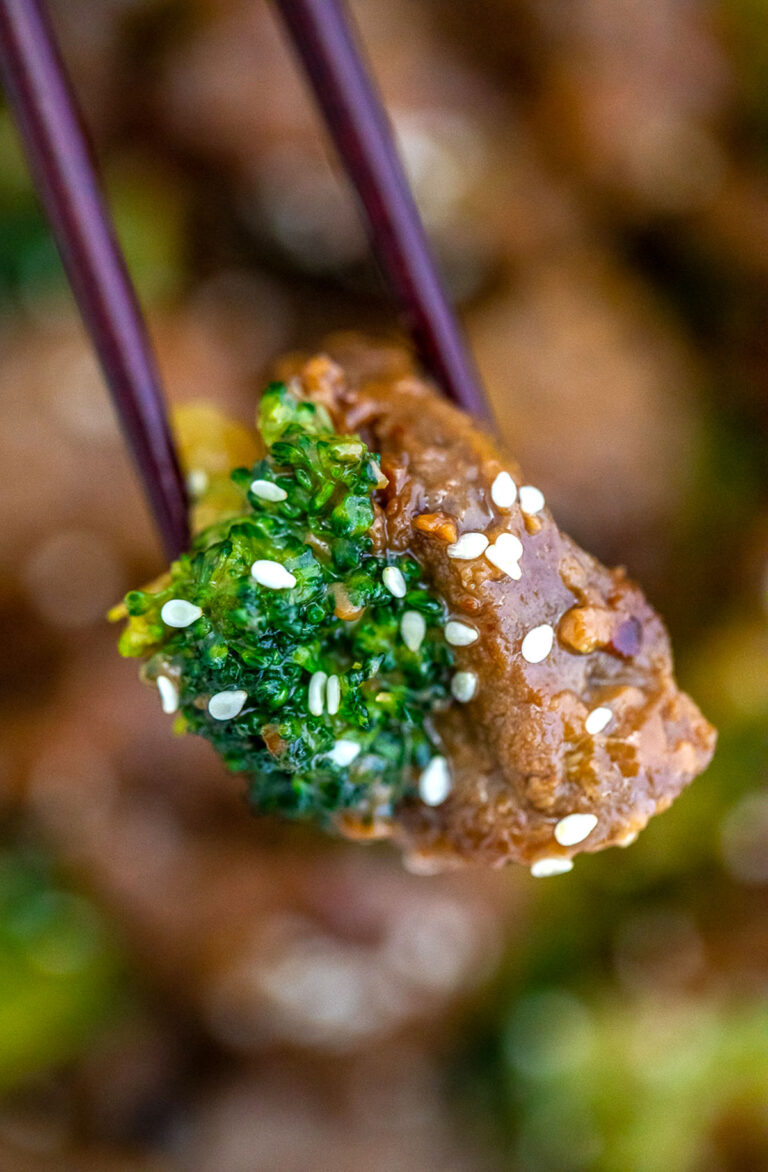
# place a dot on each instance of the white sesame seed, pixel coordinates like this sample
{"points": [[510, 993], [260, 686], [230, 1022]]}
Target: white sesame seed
{"points": [[574, 828], [413, 628], [552, 866], [197, 482], [169, 694], [597, 720], [537, 644], [435, 782], [316, 693], [177, 612], [272, 574], [628, 839], [464, 686], [266, 490], [459, 634], [333, 695], [468, 547], [394, 581], [505, 554], [531, 499], [503, 491], [343, 753], [225, 705]]}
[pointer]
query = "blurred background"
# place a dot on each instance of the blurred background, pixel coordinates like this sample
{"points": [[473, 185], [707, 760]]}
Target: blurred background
{"points": [[184, 987]]}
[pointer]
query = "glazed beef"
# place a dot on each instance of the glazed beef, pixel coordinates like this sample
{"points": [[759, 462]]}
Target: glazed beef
{"points": [[572, 731]]}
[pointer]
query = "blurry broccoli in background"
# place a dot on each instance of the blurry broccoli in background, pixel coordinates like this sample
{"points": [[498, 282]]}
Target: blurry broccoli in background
{"points": [[59, 973], [28, 255], [648, 1084], [148, 206]]}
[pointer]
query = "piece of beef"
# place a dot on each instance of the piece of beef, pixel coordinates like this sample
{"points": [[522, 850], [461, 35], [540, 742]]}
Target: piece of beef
{"points": [[592, 725]]}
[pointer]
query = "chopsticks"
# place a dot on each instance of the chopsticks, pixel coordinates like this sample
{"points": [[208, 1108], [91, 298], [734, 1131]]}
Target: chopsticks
{"points": [[42, 100], [40, 95], [322, 35]]}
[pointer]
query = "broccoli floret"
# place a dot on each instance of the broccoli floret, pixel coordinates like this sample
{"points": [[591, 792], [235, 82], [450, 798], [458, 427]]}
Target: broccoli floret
{"points": [[289, 655]]}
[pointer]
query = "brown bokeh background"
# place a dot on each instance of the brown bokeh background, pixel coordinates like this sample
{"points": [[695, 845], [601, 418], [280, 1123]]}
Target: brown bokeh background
{"points": [[185, 988]]}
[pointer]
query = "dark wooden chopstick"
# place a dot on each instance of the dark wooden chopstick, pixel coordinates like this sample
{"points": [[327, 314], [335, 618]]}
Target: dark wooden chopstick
{"points": [[321, 33], [40, 94]]}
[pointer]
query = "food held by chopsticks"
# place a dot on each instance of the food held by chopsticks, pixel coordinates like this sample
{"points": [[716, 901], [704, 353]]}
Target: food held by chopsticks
{"points": [[392, 637]]}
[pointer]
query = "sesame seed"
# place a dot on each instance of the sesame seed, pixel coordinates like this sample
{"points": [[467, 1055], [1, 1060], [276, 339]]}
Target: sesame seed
{"points": [[574, 828], [503, 491], [266, 490], [468, 547], [169, 694], [272, 575], [628, 839], [316, 693], [177, 612], [413, 628], [343, 753], [464, 686], [552, 866], [333, 695], [537, 644], [531, 499], [394, 581], [597, 720], [435, 782], [225, 705], [197, 482], [505, 554], [459, 634]]}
